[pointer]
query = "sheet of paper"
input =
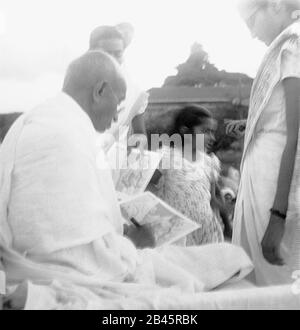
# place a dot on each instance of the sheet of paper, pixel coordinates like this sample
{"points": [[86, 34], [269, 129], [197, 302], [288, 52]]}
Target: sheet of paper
{"points": [[134, 177], [167, 224]]}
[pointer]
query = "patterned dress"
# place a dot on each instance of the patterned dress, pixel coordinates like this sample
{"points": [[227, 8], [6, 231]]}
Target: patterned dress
{"points": [[186, 186]]}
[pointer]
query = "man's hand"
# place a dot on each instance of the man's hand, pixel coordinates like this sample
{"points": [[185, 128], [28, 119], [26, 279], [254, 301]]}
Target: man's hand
{"points": [[235, 128], [272, 240], [142, 236]]}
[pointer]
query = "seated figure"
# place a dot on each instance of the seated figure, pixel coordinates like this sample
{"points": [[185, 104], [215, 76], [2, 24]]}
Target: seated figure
{"points": [[61, 230]]}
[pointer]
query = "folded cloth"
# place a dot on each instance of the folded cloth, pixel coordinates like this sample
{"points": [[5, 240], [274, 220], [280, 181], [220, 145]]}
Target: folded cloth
{"points": [[200, 268], [61, 296], [171, 269], [264, 298]]}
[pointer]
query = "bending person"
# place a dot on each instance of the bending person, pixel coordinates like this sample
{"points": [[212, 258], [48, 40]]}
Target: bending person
{"points": [[267, 222]]}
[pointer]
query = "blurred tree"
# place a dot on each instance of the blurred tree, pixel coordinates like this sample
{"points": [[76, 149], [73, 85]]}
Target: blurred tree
{"points": [[197, 71]]}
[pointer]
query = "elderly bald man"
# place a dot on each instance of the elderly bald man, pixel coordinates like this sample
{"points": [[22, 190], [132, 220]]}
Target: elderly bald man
{"points": [[61, 229], [95, 82]]}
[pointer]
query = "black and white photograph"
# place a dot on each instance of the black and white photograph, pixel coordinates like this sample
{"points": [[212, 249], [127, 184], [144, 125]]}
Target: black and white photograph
{"points": [[210, 89]]}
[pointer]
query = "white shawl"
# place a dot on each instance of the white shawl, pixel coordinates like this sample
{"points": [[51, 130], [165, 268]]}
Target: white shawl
{"points": [[61, 228], [269, 75]]}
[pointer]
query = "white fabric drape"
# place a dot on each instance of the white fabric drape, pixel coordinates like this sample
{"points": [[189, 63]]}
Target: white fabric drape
{"points": [[265, 140]]}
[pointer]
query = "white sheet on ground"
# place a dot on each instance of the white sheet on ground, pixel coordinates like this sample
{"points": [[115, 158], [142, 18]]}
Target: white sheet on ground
{"points": [[62, 296]]}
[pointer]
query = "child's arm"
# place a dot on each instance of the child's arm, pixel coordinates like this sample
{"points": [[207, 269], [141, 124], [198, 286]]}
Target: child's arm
{"points": [[217, 203]]}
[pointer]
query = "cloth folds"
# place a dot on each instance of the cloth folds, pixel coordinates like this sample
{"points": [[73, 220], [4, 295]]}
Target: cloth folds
{"points": [[265, 140]]}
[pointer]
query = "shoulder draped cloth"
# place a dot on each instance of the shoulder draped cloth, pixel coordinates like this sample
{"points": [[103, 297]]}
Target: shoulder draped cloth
{"points": [[269, 75]]}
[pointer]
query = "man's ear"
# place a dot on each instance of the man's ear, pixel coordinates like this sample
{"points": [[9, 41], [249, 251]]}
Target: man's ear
{"points": [[99, 90]]}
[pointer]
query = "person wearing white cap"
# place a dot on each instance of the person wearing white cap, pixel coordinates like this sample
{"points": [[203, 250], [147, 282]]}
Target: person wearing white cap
{"points": [[267, 220], [114, 40]]}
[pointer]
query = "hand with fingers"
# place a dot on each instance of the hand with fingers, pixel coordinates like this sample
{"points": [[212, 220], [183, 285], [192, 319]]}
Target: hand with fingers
{"points": [[142, 236], [272, 240], [235, 128]]}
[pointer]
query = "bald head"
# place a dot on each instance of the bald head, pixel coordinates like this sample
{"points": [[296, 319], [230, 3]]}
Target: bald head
{"points": [[95, 81]]}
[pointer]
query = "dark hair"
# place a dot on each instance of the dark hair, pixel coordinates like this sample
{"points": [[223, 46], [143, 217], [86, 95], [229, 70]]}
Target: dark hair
{"points": [[185, 121], [188, 118]]}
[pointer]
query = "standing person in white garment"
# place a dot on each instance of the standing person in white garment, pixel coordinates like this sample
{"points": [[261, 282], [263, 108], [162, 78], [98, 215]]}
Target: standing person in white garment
{"points": [[267, 220]]}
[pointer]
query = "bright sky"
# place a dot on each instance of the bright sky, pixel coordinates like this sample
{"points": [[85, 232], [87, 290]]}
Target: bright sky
{"points": [[38, 39]]}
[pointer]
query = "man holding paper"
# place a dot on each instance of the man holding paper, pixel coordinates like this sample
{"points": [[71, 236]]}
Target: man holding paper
{"points": [[61, 230]]}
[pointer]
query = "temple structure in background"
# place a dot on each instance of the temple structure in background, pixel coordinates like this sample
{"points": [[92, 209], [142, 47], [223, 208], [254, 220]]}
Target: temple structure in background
{"points": [[224, 102], [199, 82]]}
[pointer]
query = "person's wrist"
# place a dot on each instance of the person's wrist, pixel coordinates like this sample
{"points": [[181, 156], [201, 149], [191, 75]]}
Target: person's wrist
{"points": [[278, 214]]}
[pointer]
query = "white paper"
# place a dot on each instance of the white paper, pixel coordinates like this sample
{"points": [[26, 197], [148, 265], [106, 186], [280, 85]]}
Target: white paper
{"points": [[141, 166], [167, 224]]}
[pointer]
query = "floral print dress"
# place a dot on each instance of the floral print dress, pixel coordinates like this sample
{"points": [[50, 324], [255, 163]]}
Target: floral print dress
{"points": [[186, 186]]}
